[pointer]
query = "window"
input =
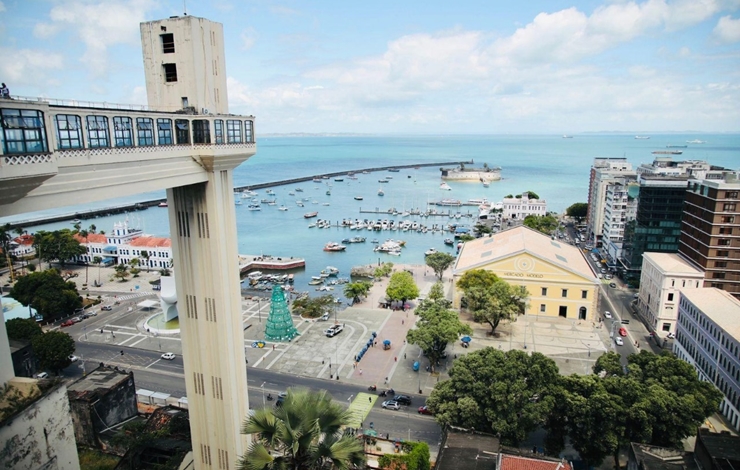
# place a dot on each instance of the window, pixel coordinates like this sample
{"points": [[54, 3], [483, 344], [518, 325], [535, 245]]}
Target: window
{"points": [[97, 131], [543, 308], [145, 131], [69, 131], [23, 131], [718, 275], [720, 264], [123, 131], [730, 207], [666, 327], [170, 73], [564, 293], [168, 43], [164, 131], [730, 219], [218, 130], [670, 297], [584, 294], [723, 253], [248, 131], [731, 194], [233, 132], [544, 292], [183, 131], [201, 132], [723, 242]]}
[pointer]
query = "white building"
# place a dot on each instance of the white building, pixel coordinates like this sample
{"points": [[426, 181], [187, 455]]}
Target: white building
{"points": [[604, 172], [620, 206], [521, 207], [708, 337], [663, 276], [124, 244], [667, 167]]}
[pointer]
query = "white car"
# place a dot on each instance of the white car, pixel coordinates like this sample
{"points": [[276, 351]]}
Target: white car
{"points": [[607, 314], [334, 330], [42, 375], [391, 405], [619, 341], [168, 355], [73, 358]]}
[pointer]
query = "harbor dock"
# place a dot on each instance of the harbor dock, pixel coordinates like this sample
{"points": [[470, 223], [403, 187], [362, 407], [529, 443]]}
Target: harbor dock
{"points": [[252, 262]]}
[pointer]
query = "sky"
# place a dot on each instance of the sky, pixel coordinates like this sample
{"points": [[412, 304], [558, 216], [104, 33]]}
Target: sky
{"points": [[409, 67]]}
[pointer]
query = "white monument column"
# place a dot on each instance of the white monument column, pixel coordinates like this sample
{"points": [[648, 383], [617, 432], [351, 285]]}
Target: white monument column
{"points": [[203, 230]]}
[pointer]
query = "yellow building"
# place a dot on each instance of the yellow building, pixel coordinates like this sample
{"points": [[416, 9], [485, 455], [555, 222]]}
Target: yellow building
{"points": [[560, 282]]}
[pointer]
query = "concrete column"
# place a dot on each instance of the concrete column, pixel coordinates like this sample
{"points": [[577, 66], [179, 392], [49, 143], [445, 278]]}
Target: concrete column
{"points": [[203, 230]]}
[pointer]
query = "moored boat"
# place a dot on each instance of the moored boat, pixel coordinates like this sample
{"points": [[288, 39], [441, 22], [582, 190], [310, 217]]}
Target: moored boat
{"points": [[334, 246], [358, 198], [308, 215], [445, 187]]}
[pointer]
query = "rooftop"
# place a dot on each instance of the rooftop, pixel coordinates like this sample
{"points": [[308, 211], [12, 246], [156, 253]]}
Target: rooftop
{"points": [[151, 242], [661, 458], [523, 239], [672, 263], [513, 462], [100, 380], [468, 450], [718, 305]]}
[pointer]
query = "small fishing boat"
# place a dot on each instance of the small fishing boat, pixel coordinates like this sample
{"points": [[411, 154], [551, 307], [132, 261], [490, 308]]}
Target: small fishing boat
{"points": [[380, 192], [358, 198], [308, 215]]}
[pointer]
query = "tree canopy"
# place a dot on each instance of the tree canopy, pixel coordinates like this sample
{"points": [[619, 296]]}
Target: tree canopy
{"points": [[21, 329], [578, 211], [542, 223], [313, 307], [59, 245], [53, 349], [506, 393], [439, 262], [357, 290], [437, 327], [533, 195], [492, 300], [48, 293], [305, 432], [402, 287]]}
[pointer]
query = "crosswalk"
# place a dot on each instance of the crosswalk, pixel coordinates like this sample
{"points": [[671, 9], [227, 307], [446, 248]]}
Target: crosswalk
{"points": [[134, 295]]}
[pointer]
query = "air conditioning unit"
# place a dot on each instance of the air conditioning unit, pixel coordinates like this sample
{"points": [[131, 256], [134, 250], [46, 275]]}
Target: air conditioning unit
{"points": [[205, 111]]}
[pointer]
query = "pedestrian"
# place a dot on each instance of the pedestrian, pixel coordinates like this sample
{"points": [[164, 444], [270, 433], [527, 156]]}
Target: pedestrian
{"points": [[395, 358], [360, 371], [370, 399], [402, 322], [404, 355], [4, 92], [386, 380]]}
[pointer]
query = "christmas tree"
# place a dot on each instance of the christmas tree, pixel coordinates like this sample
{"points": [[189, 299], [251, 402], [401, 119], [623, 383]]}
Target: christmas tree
{"points": [[279, 325]]}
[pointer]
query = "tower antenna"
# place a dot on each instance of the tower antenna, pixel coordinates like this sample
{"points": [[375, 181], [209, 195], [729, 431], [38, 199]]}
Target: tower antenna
{"points": [[185, 7]]}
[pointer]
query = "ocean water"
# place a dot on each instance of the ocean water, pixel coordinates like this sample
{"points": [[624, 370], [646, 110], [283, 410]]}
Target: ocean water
{"points": [[555, 168]]}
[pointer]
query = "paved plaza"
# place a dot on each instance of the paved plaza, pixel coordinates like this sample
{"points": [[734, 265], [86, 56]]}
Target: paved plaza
{"points": [[574, 345]]}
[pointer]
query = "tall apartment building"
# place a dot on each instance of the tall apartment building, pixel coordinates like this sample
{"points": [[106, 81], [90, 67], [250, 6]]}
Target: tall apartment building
{"points": [[708, 337], [184, 65], [620, 207], [657, 224], [662, 277], [710, 235], [604, 171], [697, 169]]}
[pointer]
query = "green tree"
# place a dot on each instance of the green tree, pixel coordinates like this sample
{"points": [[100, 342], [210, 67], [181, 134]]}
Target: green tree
{"points": [[466, 237], [84, 234], [145, 255], [304, 433], [313, 307], [608, 364], [48, 293], [53, 349], [402, 287], [437, 294], [542, 223], [500, 301], [135, 263], [415, 456], [22, 329], [533, 195], [482, 229], [121, 272], [6, 236], [578, 211], [506, 393], [439, 262], [437, 327], [357, 290], [384, 269], [59, 245], [476, 278]]}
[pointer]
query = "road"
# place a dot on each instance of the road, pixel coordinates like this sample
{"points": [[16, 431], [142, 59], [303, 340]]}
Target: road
{"points": [[156, 374]]}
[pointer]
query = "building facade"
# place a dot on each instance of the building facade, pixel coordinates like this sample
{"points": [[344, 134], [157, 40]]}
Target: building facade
{"points": [[603, 172], [521, 207], [708, 338], [657, 224], [710, 234], [663, 276], [620, 207], [558, 278], [124, 244]]}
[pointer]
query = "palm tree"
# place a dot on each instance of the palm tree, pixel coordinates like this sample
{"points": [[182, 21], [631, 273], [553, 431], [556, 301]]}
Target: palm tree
{"points": [[84, 233], [5, 239], [145, 254], [97, 260], [306, 432]]}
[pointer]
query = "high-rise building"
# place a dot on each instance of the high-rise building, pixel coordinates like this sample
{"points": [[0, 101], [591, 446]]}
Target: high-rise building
{"points": [[603, 172], [620, 206], [708, 337], [657, 224], [184, 65], [710, 235]]}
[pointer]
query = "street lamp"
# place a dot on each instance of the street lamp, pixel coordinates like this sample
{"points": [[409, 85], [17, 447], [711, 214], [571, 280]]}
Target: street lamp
{"points": [[259, 309], [263, 393]]}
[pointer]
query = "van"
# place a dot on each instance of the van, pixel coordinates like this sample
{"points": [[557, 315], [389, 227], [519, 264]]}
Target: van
{"points": [[324, 317]]}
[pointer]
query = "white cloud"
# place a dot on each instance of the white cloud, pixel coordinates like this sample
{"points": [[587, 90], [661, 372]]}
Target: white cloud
{"points": [[2, 7], [727, 30], [99, 24], [248, 37], [28, 66]]}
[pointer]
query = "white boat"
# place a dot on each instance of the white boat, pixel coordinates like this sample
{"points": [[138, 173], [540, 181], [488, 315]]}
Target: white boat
{"points": [[445, 187], [642, 137], [696, 141], [380, 192], [238, 202], [358, 198], [282, 208], [254, 207], [430, 251]]}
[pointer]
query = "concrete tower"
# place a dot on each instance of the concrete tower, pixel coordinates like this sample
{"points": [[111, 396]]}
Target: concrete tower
{"points": [[184, 64]]}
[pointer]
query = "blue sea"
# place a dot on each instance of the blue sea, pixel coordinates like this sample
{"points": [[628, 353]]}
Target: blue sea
{"points": [[555, 168]]}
